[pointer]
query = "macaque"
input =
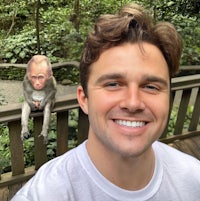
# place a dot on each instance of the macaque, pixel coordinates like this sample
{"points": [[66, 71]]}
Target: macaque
{"points": [[39, 87]]}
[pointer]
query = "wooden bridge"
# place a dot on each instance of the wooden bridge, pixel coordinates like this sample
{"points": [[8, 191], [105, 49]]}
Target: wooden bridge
{"points": [[185, 137]]}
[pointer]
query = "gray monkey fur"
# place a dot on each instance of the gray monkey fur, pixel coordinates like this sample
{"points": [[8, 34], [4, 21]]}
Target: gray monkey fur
{"points": [[46, 96]]}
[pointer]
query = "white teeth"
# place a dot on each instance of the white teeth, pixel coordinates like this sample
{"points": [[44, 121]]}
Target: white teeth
{"points": [[130, 123]]}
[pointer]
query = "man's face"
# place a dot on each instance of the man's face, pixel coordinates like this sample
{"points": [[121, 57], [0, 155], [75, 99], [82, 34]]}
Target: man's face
{"points": [[38, 75], [128, 99]]}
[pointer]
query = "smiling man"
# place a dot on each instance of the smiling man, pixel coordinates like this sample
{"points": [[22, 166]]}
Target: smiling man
{"points": [[125, 73]]}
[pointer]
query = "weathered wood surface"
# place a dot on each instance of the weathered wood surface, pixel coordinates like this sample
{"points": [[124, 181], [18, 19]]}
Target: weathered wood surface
{"points": [[54, 65]]}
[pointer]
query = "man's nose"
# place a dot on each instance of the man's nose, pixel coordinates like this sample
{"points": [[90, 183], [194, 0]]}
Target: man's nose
{"points": [[133, 99]]}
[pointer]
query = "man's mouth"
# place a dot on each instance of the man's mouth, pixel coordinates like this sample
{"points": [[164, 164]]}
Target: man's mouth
{"points": [[132, 124]]}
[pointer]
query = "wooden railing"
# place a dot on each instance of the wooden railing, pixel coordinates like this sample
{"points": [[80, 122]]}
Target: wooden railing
{"points": [[185, 93], [10, 115]]}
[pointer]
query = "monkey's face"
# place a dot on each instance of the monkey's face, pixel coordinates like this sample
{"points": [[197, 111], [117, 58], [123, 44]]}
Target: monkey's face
{"points": [[38, 75]]}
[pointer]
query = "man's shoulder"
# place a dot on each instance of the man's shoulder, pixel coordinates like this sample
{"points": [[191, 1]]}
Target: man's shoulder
{"points": [[171, 155], [65, 160]]}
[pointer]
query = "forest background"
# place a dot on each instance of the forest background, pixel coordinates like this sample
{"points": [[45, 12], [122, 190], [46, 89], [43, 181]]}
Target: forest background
{"points": [[57, 28]]}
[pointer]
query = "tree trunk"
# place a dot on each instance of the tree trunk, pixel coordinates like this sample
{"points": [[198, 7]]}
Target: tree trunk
{"points": [[37, 22]]}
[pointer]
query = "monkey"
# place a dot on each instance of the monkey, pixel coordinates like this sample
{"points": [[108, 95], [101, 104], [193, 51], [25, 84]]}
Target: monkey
{"points": [[39, 89]]}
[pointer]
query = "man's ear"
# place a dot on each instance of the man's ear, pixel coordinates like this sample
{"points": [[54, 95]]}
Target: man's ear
{"points": [[82, 99]]}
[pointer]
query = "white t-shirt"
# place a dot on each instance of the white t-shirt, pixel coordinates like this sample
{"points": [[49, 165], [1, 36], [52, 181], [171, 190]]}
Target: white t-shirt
{"points": [[73, 177]]}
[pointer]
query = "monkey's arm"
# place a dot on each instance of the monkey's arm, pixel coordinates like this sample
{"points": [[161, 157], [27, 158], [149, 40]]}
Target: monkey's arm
{"points": [[28, 91], [47, 104]]}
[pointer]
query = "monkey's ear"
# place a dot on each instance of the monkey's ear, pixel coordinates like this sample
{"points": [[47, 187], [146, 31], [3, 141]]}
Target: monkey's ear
{"points": [[82, 99], [27, 76]]}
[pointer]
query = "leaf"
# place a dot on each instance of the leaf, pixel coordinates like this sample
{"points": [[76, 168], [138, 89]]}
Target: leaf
{"points": [[22, 54], [13, 60], [171, 3], [9, 55], [17, 50]]}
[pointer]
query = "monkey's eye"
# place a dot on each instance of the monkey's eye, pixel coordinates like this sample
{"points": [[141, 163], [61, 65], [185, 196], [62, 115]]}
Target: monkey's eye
{"points": [[33, 77], [41, 77]]}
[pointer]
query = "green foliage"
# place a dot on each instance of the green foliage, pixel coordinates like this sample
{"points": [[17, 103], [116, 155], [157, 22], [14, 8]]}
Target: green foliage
{"points": [[4, 149], [19, 47], [70, 73], [63, 26], [12, 73]]}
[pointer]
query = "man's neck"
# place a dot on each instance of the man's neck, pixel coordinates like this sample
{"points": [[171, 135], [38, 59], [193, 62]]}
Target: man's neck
{"points": [[130, 173]]}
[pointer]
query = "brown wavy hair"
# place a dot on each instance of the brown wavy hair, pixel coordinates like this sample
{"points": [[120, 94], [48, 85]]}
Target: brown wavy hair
{"points": [[132, 24]]}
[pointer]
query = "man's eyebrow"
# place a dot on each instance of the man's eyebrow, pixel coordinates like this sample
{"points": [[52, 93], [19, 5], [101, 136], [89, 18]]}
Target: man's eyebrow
{"points": [[110, 76], [152, 78]]}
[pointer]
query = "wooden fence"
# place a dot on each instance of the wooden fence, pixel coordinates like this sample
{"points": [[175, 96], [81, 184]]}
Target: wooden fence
{"points": [[11, 116], [185, 93]]}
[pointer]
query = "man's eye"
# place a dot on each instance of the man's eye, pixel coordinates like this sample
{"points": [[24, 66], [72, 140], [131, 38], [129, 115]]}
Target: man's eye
{"points": [[151, 87], [112, 84]]}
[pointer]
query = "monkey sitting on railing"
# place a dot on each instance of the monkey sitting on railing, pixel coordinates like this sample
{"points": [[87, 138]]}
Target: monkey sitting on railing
{"points": [[39, 87]]}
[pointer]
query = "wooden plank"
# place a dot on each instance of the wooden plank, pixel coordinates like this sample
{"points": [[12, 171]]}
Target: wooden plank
{"points": [[8, 65], [62, 132], [196, 113], [83, 126], [182, 111], [13, 190], [185, 82], [11, 184], [172, 95], [173, 138], [12, 112], [193, 145], [16, 147], [8, 179], [180, 145], [190, 145], [40, 146], [190, 68], [54, 65], [4, 194]]}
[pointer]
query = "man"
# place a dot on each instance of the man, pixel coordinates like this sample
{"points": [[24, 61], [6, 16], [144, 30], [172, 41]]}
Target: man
{"points": [[125, 74]]}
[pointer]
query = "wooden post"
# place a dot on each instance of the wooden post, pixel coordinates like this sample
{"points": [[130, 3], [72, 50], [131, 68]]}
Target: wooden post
{"points": [[182, 111], [40, 146], [16, 147], [62, 132], [196, 113], [83, 126]]}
